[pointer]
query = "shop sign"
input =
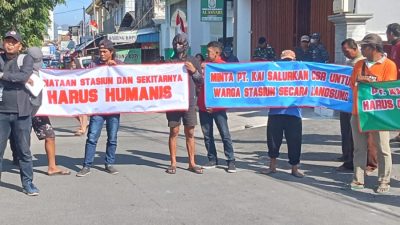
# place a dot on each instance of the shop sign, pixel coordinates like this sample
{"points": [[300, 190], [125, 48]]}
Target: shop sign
{"points": [[130, 56], [212, 10], [129, 37]]}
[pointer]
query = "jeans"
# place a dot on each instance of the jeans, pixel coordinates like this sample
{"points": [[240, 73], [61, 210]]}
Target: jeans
{"points": [[292, 127], [221, 120], [21, 128], [95, 127]]}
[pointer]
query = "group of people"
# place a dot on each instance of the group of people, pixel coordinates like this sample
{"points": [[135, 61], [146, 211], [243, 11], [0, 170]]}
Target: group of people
{"points": [[370, 65], [362, 153], [365, 152], [310, 49]]}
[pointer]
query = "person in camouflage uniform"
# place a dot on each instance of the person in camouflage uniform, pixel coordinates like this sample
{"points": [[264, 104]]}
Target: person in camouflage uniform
{"points": [[317, 50], [264, 51]]}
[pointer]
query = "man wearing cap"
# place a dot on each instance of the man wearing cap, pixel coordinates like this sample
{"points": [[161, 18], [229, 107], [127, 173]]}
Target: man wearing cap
{"points": [[107, 55], [264, 51], [317, 50], [376, 67], [15, 107], [284, 121], [302, 53], [351, 51]]}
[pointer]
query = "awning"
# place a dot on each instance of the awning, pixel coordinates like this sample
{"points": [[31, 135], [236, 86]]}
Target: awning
{"points": [[148, 35]]}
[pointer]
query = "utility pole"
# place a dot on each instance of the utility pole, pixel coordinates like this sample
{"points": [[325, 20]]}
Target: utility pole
{"points": [[84, 22]]}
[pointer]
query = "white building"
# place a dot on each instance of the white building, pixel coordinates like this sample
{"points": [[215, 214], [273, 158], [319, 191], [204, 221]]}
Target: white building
{"points": [[50, 27]]}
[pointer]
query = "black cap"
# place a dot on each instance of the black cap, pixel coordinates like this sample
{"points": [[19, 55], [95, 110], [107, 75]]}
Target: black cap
{"points": [[262, 40], [107, 44], [315, 36], [13, 34]]}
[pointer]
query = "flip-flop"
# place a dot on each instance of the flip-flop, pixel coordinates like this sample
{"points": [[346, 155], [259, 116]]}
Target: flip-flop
{"points": [[356, 186], [171, 170], [61, 172], [196, 169]]}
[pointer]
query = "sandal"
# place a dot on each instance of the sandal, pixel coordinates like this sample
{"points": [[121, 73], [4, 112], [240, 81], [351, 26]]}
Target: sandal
{"points": [[171, 170], [297, 174], [382, 188], [268, 171], [196, 169], [60, 172], [356, 186]]}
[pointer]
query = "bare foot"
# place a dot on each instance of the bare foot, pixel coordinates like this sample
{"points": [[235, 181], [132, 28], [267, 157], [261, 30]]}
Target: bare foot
{"points": [[57, 171]]}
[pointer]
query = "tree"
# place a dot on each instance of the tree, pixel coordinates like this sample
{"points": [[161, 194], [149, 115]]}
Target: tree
{"points": [[28, 17]]}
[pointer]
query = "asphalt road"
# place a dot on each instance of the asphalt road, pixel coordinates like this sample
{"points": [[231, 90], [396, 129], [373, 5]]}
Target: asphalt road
{"points": [[142, 193]]}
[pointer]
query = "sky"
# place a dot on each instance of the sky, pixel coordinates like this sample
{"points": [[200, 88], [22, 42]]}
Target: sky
{"points": [[62, 16]]}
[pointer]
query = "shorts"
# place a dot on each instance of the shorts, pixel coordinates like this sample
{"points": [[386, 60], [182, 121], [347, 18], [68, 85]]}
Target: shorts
{"points": [[42, 127], [189, 117]]}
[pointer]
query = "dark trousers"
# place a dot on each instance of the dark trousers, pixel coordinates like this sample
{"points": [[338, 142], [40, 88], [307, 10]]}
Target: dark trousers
{"points": [[21, 128], [221, 120], [291, 126], [348, 144], [347, 139]]}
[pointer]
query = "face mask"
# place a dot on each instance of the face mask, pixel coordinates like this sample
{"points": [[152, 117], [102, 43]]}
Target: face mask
{"points": [[313, 41], [179, 48]]}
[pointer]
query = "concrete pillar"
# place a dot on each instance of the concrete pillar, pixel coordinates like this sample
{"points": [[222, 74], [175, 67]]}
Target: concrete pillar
{"points": [[242, 29], [348, 25]]}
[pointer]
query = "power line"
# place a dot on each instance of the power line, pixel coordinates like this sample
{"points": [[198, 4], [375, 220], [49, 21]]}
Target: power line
{"points": [[73, 10]]}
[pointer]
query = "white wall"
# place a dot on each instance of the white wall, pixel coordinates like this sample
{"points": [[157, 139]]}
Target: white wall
{"points": [[129, 6], [384, 13], [242, 29]]}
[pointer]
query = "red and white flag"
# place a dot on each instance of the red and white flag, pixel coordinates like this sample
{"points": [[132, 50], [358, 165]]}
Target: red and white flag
{"points": [[93, 25], [180, 23]]}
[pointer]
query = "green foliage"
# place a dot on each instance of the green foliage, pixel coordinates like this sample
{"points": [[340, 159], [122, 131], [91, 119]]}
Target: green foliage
{"points": [[28, 17]]}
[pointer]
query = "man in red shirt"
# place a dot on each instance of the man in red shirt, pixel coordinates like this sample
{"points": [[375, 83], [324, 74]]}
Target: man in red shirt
{"points": [[209, 115]]}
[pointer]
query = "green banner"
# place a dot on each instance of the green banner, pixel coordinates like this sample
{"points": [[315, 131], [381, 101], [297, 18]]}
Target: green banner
{"points": [[379, 105], [212, 10], [130, 56]]}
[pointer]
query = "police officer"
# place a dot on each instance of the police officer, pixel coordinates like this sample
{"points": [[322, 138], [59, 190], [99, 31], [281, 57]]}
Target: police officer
{"points": [[317, 50]]}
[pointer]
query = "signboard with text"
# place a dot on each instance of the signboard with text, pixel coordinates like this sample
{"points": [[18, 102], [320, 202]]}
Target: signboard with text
{"points": [[379, 105], [129, 56], [126, 37], [212, 10], [278, 84]]}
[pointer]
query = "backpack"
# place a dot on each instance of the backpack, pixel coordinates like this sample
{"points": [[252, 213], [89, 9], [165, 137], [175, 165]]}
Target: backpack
{"points": [[36, 102]]}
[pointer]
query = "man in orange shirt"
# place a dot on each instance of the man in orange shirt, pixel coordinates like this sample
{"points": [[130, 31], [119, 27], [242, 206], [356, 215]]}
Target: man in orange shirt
{"points": [[376, 67]]}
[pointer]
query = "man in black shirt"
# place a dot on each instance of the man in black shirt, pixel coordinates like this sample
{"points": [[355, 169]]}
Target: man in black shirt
{"points": [[15, 107]]}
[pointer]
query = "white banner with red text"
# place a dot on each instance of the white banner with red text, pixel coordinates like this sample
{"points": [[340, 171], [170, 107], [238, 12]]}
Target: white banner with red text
{"points": [[115, 89]]}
